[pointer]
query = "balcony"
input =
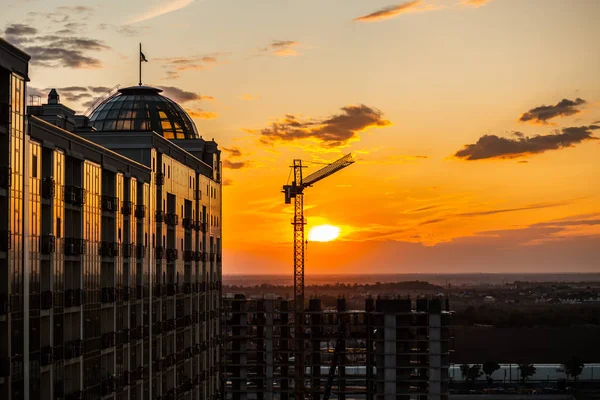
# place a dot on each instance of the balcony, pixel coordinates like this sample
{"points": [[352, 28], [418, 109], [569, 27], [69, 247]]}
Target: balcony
{"points": [[140, 211], [157, 328], [157, 290], [108, 340], [124, 379], [139, 292], [109, 249], [219, 258], [172, 219], [159, 216], [187, 320], [201, 226], [46, 356], [172, 255], [140, 251], [204, 256], [5, 111], [160, 252], [46, 299], [110, 203], [128, 250], [126, 293], [188, 223], [109, 295], [172, 289], [5, 240], [189, 255], [187, 288], [74, 247], [74, 195], [5, 177], [73, 349], [212, 257], [198, 256], [159, 178], [4, 304], [108, 386], [126, 207], [48, 244], [48, 188]]}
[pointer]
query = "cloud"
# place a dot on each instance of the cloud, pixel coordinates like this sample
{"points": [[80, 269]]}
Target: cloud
{"points": [[492, 146], [200, 114], [540, 115], [164, 7], [474, 3], [175, 65], [227, 182], [281, 48], [182, 96], [248, 97], [233, 152], [507, 210], [334, 131], [75, 93], [235, 164], [56, 51], [394, 11]]}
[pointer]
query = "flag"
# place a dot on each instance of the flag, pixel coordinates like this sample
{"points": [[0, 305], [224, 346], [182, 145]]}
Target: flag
{"points": [[142, 57]]}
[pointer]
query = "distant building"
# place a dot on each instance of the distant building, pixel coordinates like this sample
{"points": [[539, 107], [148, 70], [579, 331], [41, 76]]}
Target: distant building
{"points": [[489, 300], [394, 348], [110, 247]]}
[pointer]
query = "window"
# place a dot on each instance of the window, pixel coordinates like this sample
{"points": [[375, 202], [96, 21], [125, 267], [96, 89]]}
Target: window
{"points": [[169, 171], [34, 167], [153, 165], [58, 227]]}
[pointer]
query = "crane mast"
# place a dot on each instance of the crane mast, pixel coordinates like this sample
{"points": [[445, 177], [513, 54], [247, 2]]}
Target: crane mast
{"points": [[296, 191]]}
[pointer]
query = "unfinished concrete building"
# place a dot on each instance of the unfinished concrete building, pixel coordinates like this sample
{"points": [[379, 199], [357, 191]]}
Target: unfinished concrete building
{"points": [[392, 349]]}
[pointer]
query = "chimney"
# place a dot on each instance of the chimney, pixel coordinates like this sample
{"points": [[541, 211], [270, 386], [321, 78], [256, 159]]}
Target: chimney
{"points": [[53, 97]]}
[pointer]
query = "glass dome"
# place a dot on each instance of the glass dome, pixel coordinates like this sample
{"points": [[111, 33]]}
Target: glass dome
{"points": [[142, 108]]}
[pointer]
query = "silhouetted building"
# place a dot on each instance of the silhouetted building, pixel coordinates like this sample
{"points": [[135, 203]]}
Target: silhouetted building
{"points": [[393, 349], [110, 247]]}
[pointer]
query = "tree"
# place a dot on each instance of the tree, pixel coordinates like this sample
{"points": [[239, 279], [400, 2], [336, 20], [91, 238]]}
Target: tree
{"points": [[526, 371], [489, 367], [573, 367], [464, 371]]}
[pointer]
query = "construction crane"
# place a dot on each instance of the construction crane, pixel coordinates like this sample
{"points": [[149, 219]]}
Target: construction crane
{"points": [[296, 191]]}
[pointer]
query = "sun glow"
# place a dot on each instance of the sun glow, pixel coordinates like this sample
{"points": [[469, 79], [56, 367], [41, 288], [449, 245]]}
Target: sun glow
{"points": [[323, 233]]}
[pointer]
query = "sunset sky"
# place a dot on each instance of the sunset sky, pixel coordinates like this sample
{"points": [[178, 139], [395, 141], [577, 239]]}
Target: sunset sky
{"points": [[474, 123]]}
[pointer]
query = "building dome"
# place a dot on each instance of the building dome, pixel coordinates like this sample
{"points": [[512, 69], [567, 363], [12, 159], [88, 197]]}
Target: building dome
{"points": [[142, 108]]}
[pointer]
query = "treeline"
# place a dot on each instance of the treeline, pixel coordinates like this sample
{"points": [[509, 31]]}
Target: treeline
{"points": [[551, 316], [377, 287]]}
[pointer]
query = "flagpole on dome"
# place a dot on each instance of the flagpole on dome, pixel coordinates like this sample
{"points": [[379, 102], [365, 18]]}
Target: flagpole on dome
{"points": [[142, 59]]}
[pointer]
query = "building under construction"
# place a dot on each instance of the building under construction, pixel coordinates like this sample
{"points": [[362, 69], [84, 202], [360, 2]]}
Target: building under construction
{"points": [[392, 349]]}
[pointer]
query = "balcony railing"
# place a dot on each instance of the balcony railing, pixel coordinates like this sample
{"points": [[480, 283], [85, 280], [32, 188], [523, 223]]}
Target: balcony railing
{"points": [[5, 240], [140, 211], [110, 203], [212, 257], [109, 295], [160, 179], [172, 289], [160, 252], [188, 223], [189, 255], [74, 246], [171, 219], [159, 216], [201, 226], [126, 207], [48, 188], [128, 250], [47, 356], [108, 340], [5, 177], [172, 255], [74, 195], [73, 349], [140, 251], [48, 244], [109, 249]]}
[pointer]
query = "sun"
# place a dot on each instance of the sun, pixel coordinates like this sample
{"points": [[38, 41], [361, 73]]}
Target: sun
{"points": [[323, 233]]}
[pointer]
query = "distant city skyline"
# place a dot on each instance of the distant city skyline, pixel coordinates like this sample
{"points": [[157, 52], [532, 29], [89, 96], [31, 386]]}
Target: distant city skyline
{"points": [[474, 123]]}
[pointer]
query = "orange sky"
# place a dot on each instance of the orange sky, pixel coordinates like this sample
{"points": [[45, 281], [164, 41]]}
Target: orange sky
{"points": [[474, 124]]}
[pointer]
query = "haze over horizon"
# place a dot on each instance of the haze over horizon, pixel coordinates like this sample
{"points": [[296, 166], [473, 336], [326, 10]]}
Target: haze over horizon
{"points": [[475, 123]]}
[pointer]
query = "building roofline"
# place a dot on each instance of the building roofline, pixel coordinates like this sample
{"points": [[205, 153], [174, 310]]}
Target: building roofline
{"points": [[17, 52]]}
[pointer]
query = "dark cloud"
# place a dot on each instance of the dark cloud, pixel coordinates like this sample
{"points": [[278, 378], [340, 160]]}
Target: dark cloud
{"points": [[98, 89], [182, 96], [20, 30], [492, 146], [394, 11], [175, 65], [201, 114], [334, 131], [281, 48], [587, 222], [54, 50], [233, 152], [235, 164], [541, 114]]}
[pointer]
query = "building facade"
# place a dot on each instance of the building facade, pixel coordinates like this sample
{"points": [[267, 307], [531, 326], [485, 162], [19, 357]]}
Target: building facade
{"points": [[392, 349], [110, 247]]}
